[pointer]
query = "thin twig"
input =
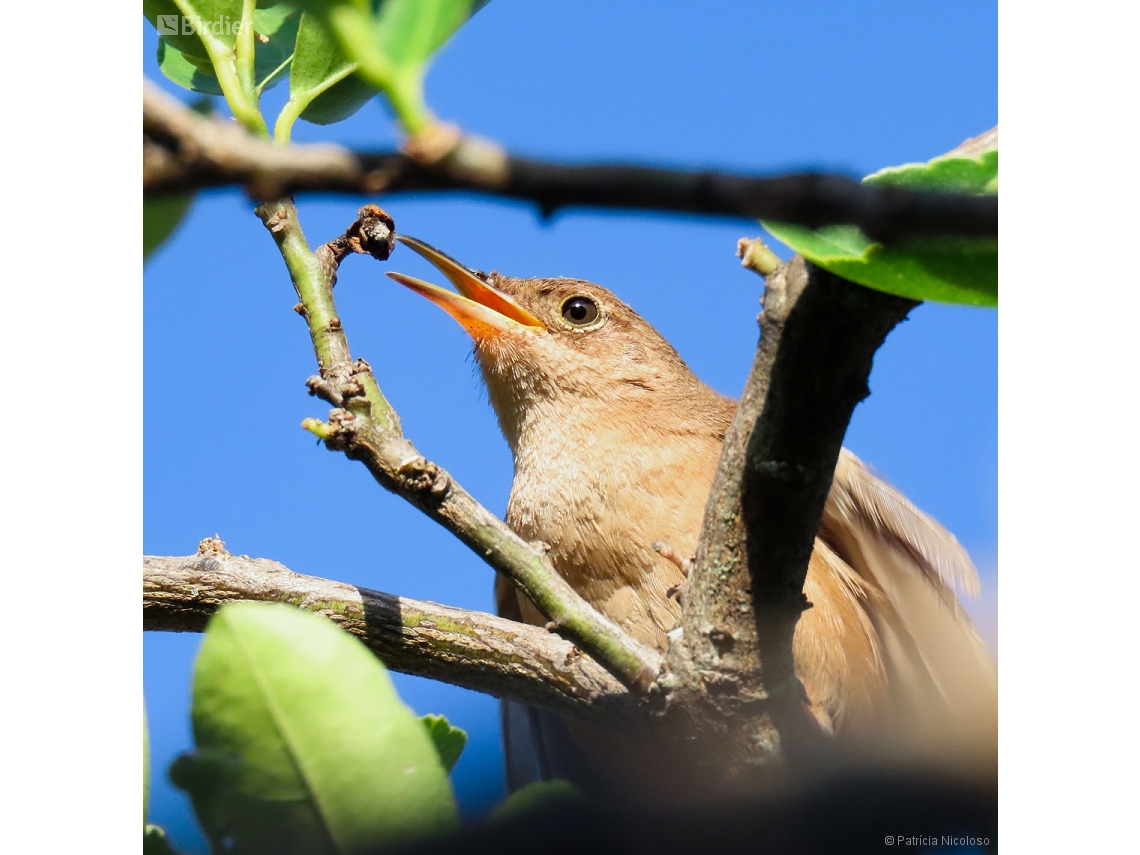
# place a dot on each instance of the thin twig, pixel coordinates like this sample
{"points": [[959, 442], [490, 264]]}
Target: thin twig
{"points": [[470, 649], [184, 152]]}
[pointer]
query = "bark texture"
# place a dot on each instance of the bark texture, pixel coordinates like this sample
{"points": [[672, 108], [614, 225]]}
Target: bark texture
{"points": [[471, 649], [731, 664]]}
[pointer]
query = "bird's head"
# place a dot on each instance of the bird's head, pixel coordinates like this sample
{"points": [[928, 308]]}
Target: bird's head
{"points": [[548, 344]]}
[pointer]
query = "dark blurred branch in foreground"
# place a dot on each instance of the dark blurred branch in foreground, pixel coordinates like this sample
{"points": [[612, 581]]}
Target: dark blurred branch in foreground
{"points": [[873, 811], [184, 152], [470, 649]]}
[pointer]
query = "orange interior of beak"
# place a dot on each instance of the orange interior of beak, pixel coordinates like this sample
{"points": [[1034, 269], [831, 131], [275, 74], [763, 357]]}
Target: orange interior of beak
{"points": [[481, 322], [470, 285]]}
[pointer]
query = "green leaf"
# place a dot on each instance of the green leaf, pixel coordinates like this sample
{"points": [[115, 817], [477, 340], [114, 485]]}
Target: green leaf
{"points": [[155, 842], [339, 101], [449, 740], [407, 33], [209, 30], [279, 24], [189, 73], [534, 797], [302, 744], [166, 18], [946, 173], [161, 217], [410, 31], [946, 269], [194, 22], [391, 43], [322, 86]]}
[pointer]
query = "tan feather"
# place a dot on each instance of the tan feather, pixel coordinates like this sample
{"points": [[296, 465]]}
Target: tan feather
{"points": [[933, 658], [836, 649], [857, 495]]}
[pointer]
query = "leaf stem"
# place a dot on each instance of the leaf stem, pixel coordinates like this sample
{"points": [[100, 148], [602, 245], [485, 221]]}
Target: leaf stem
{"points": [[299, 101], [283, 127], [403, 88], [264, 83], [241, 100], [245, 49], [406, 95], [353, 29], [245, 109]]}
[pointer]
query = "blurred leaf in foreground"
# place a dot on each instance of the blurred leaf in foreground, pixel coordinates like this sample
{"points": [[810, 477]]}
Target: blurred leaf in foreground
{"points": [[302, 744]]}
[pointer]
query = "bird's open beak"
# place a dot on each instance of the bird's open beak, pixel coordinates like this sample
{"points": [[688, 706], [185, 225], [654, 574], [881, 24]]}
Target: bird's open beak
{"points": [[481, 309]]}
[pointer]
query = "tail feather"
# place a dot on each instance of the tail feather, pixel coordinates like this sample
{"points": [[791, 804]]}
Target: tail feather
{"points": [[932, 653], [858, 497], [520, 745], [536, 743]]}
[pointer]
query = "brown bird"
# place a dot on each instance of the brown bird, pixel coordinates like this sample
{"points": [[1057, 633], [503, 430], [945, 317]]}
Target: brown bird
{"points": [[615, 445]]}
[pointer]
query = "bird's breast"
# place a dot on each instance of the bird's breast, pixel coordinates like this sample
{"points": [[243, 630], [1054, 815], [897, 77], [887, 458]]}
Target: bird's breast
{"points": [[599, 497]]}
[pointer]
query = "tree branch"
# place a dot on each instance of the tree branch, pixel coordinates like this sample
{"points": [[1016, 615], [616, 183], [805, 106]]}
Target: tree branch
{"points": [[365, 427], [184, 152], [818, 336], [469, 649], [744, 594]]}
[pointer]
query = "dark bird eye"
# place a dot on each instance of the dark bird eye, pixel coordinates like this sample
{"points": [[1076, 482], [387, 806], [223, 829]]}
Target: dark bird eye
{"points": [[580, 311]]}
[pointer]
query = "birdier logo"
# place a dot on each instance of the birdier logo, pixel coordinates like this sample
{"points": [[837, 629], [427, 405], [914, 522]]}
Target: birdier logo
{"points": [[180, 25]]}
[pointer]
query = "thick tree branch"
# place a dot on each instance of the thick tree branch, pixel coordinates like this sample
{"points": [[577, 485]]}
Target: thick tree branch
{"points": [[818, 336], [183, 152], [366, 428], [745, 592], [470, 649]]}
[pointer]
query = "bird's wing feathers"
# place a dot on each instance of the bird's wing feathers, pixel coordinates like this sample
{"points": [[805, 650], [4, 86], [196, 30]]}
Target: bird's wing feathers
{"points": [[932, 657], [858, 496], [927, 640]]}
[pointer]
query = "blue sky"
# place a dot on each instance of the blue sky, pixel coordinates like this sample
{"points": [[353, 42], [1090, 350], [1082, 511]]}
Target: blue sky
{"points": [[762, 87]]}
